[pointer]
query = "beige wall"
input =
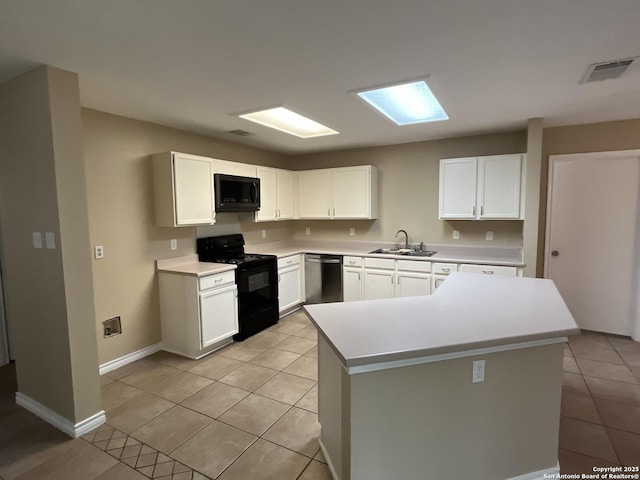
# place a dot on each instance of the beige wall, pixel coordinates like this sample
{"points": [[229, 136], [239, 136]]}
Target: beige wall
{"points": [[594, 137], [49, 292], [408, 177], [121, 217]]}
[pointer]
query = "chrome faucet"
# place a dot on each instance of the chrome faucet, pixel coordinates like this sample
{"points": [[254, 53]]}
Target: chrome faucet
{"points": [[406, 237]]}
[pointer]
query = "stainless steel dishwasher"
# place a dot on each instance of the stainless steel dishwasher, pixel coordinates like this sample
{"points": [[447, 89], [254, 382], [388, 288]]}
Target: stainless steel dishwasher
{"points": [[323, 278]]}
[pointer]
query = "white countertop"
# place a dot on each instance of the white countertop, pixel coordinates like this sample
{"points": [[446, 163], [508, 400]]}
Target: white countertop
{"points": [[467, 312], [189, 265], [506, 256]]}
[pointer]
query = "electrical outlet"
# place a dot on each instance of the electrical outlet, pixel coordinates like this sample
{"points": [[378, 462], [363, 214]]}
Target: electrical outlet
{"points": [[174, 244], [307, 231], [352, 232], [263, 232], [478, 371], [99, 251], [456, 235], [489, 235]]}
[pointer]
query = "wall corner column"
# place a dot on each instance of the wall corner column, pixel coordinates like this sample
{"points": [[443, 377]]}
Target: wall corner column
{"points": [[532, 193]]}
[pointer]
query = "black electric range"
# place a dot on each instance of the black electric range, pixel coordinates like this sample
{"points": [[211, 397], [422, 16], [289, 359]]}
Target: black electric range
{"points": [[256, 279]]}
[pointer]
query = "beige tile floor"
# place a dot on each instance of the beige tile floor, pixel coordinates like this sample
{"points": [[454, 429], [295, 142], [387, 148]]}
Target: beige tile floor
{"points": [[249, 411]]}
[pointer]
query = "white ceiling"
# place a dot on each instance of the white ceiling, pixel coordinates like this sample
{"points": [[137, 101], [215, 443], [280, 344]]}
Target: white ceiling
{"points": [[192, 64]]}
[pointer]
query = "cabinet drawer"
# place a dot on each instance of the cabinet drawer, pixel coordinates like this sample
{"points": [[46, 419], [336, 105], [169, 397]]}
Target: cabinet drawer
{"points": [[444, 268], [489, 269], [217, 280], [414, 266], [386, 263], [288, 261], [352, 261]]}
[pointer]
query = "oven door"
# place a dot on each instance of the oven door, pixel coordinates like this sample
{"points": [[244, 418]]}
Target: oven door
{"points": [[257, 286]]}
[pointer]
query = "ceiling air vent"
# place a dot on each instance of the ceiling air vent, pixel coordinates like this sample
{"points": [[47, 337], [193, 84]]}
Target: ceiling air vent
{"points": [[606, 70], [240, 133]]}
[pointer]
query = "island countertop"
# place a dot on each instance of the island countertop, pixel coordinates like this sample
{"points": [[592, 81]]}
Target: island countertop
{"points": [[468, 312]]}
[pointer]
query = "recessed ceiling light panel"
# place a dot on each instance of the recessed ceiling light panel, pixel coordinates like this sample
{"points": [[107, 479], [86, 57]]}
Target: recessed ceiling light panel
{"points": [[285, 120], [406, 104]]}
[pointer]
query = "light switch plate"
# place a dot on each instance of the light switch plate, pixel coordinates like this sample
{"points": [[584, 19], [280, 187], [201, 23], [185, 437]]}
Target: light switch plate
{"points": [[456, 235], [37, 239], [489, 235], [307, 231], [50, 239], [352, 232], [174, 244], [263, 232]]}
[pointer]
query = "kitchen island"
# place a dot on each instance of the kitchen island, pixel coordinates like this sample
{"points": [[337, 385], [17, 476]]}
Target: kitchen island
{"points": [[465, 383]]}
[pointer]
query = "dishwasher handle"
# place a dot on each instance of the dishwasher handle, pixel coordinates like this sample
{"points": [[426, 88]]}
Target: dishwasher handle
{"points": [[323, 260]]}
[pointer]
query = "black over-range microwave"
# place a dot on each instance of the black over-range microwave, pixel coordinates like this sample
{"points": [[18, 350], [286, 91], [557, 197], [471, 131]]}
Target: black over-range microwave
{"points": [[236, 194]]}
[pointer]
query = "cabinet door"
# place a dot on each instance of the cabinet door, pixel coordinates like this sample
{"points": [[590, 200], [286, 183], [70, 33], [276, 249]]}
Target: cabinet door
{"points": [[314, 194], [352, 192], [413, 284], [458, 180], [286, 196], [289, 287], [499, 180], [218, 314], [378, 284], [436, 281], [268, 194], [193, 183], [352, 284]]}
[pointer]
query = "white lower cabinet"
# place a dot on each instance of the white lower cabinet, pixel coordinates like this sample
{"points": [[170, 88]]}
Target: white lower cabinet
{"points": [[489, 269], [378, 284], [290, 282], [218, 314], [352, 284], [198, 315], [413, 278], [440, 271]]}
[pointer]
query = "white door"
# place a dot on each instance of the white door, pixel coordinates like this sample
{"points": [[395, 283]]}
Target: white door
{"points": [[194, 190], [458, 181], [218, 314], [413, 284], [499, 186], [314, 194], [268, 194], [285, 194], [592, 241], [352, 284], [378, 284], [289, 287], [351, 195]]}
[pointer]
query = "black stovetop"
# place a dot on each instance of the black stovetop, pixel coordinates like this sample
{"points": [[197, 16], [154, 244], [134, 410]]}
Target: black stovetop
{"points": [[226, 249]]}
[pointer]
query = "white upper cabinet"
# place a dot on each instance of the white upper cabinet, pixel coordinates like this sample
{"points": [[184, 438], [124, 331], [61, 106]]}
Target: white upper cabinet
{"points": [[458, 181], [481, 188], [268, 195], [314, 194], [285, 197], [338, 193], [183, 187]]}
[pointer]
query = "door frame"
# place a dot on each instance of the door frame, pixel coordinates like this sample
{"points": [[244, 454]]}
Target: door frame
{"points": [[555, 159]]}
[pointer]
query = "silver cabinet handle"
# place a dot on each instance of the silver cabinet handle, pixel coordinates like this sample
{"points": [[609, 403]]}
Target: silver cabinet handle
{"points": [[488, 272], [481, 210], [279, 214], [352, 262], [358, 276], [474, 211], [446, 270], [278, 278], [329, 212], [334, 211], [399, 280]]}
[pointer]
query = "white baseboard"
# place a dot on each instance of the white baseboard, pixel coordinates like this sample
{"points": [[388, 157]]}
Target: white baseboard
{"points": [[129, 358], [74, 430], [552, 472]]}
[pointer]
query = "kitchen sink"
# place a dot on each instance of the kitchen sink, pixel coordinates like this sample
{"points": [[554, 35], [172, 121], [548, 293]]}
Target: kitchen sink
{"points": [[404, 251]]}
